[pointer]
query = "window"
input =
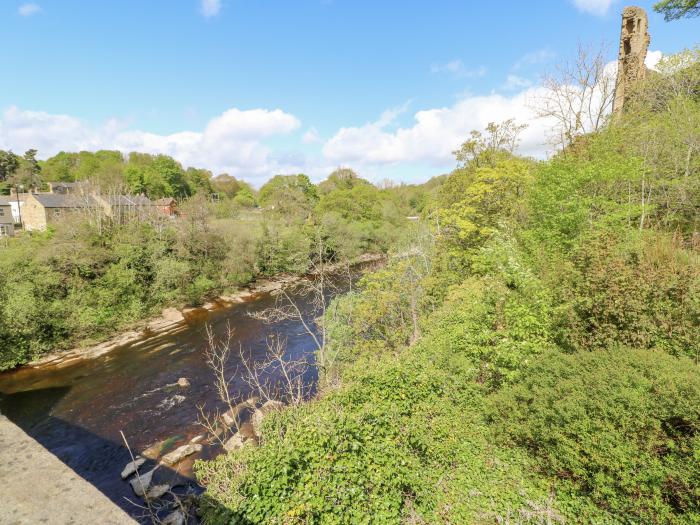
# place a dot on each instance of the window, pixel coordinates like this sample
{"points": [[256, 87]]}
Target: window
{"points": [[4, 230], [2, 212]]}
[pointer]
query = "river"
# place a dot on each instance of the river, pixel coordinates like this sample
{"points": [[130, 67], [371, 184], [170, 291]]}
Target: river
{"points": [[77, 412]]}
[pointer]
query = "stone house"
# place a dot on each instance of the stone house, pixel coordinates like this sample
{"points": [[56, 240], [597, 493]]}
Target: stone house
{"points": [[43, 209], [7, 222], [124, 207]]}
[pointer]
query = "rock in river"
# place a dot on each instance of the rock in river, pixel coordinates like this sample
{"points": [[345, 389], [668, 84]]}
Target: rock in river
{"points": [[141, 482], [132, 466], [181, 453], [183, 382], [174, 518], [157, 491], [237, 441]]}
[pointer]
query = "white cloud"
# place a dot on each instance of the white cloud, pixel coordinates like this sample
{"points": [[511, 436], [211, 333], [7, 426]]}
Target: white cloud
{"points": [[653, 58], [435, 133], [594, 7], [28, 9], [210, 8], [311, 136], [232, 142], [457, 68], [515, 82]]}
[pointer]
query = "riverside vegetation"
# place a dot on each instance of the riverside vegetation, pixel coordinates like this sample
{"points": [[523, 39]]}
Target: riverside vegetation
{"points": [[529, 354], [87, 277]]}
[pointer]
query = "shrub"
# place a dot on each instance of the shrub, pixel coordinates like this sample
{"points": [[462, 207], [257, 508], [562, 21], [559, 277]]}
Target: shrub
{"points": [[643, 292], [618, 426]]}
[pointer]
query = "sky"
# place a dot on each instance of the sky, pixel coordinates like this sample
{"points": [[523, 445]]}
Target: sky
{"points": [[256, 88]]}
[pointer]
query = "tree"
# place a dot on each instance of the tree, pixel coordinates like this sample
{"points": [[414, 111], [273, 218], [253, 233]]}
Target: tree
{"points": [[341, 179], [31, 168], [482, 149], [226, 184], [9, 162], [675, 9], [577, 96]]}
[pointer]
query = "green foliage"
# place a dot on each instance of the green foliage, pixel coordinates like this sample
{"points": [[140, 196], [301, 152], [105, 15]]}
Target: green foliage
{"points": [[288, 193], [534, 362], [643, 292], [675, 9], [9, 162], [618, 426]]}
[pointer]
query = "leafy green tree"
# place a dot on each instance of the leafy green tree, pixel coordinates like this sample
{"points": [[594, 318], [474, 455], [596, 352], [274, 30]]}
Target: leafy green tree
{"points": [[226, 184], [60, 167], [31, 170], [675, 9], [341, 179], [164, 177], [199, 180], [9, 162], [289, 197], [245, 198]]}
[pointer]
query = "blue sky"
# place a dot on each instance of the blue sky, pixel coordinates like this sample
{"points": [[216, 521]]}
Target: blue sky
{"points": [[258, 87]]}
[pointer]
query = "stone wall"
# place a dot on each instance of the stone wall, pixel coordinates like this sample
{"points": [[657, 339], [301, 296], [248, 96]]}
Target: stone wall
{"points": [[33, 214]]}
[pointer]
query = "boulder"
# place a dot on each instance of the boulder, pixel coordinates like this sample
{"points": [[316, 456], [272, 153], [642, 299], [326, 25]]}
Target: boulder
{"points": [[183, 382], [237, 441], [180, 453], [141, 482], [232, 416], [132, 466], [197, 439], [260, 413], [157, 491], [174, 518]]}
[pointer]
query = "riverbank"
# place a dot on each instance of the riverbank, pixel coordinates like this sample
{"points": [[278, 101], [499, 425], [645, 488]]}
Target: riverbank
{"points": [[173, 320]]}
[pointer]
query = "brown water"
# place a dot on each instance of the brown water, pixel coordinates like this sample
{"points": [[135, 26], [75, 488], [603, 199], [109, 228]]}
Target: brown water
{"points": [[77, 412]]}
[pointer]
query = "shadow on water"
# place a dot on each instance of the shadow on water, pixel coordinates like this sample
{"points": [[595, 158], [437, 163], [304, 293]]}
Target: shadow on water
{"points": [[89, 455]]}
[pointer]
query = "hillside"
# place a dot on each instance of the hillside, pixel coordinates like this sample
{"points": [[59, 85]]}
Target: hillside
{"points": [[528, 355]]}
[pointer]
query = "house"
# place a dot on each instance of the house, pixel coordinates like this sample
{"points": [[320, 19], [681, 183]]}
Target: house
{"points": [[166, 206], [122, 207], [42, 209], [7, 223], [17, 206]]}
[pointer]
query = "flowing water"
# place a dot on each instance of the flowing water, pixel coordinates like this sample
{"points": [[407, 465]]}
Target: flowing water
{"points": [[77, 412]]}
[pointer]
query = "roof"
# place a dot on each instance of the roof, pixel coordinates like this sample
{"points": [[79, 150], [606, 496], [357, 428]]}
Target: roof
{"points": [[58, 200], [165, 201], [4, 202], [128, 200], [67, 184]]}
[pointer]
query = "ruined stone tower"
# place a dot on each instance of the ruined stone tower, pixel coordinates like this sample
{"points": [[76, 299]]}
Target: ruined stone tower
{"points": [[634, 42]]}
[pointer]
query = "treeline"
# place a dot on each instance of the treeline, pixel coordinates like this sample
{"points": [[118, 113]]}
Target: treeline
{"points": [[109, 171], [529, 354], [88, 276]]}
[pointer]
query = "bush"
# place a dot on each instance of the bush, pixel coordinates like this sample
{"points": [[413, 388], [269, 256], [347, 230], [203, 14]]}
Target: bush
{"points": [[642, 292], [619, 426]]}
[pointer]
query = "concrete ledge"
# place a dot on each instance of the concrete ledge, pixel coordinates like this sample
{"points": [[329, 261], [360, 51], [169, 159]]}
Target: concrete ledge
{"points": [[38, 488]]}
